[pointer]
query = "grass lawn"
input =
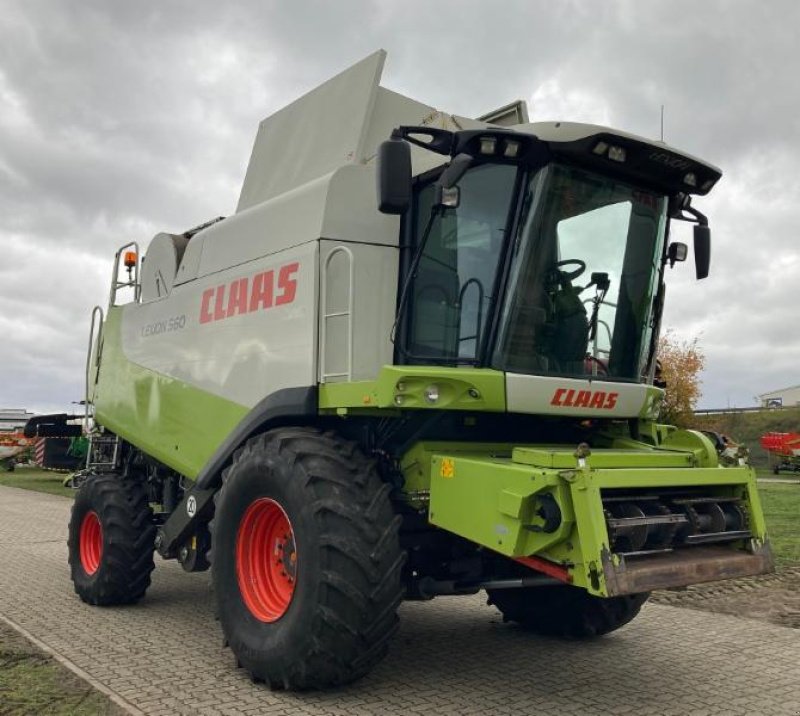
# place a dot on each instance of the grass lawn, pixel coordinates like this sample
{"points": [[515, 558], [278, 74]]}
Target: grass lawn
{"points": [[33, 478], [781, 505], [766, 473], [33, 683]]}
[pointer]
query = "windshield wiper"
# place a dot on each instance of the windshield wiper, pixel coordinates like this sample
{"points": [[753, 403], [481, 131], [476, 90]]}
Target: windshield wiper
{"points": [[436, 210]]}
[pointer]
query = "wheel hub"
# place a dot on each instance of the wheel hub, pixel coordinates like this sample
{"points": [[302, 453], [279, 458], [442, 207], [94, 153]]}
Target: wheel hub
{"points": [[90, 542], [266, 560], [288, 556]]}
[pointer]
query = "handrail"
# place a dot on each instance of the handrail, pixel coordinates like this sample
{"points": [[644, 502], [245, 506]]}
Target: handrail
{"points": [[134, 280], [348, 374], [92, 344], [479, 320]]}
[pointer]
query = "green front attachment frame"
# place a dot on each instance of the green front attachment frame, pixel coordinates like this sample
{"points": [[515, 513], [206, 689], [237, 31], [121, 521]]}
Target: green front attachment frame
{"points": [[612, 521]]}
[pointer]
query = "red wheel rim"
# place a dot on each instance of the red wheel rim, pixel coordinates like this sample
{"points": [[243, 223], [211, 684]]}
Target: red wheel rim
{"points": [[91, 542], [266, 560]]}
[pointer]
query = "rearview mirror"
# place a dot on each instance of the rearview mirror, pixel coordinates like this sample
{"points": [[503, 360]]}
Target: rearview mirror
{"points": [[393, 175], [702, 250]]}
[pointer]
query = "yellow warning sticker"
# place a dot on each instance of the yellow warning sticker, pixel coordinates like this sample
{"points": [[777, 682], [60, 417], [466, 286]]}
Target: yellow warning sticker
{"points": [[448, 468]]}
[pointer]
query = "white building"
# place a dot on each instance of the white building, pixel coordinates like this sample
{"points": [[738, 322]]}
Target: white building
{"points": [[784, 398], [13, 419]]}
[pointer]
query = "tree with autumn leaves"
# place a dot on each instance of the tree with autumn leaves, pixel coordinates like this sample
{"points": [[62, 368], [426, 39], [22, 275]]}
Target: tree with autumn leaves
{"points": [[681, 363]]}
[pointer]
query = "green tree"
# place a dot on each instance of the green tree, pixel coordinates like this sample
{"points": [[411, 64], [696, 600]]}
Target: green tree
{"points": [[681, 363]]}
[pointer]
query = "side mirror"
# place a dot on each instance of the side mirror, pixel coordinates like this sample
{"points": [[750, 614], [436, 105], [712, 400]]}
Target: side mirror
{"points": [[677, 252], [702, 250], [393, 174]]}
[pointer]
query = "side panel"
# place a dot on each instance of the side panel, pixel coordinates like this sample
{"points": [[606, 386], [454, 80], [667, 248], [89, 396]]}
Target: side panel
{"points": [[288, 220], [177, 375], [358, 294], [240, 334], [176, 423]]}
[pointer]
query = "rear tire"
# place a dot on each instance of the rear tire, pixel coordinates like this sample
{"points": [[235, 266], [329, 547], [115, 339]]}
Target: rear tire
{"points": [[111, 541], [306, 560], [567, 612]]}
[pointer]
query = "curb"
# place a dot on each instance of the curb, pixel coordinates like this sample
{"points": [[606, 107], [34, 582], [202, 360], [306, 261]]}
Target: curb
{"points": [[74, 668]]}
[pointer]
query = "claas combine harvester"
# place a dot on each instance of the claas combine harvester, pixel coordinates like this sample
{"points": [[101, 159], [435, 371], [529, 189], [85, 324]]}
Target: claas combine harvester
{"points": [[338, 403]]}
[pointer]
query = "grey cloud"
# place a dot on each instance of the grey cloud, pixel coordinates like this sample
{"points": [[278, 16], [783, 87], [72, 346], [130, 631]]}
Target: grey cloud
{"points": [[118, 120]]}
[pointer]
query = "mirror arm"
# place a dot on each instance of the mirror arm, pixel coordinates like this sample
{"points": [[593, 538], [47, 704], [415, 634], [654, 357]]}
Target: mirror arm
{"points": [[702, 220], [454, 171]]}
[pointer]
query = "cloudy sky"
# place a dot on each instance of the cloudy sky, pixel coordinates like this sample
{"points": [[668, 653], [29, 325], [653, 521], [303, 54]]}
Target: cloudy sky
{"points": [[121, 119]]}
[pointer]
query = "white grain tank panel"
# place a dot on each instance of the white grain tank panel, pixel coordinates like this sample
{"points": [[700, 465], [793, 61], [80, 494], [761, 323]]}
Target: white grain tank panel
{"points": [[374, 299], [351, 209], [190, 263], [390, 111], [509, 115], [314, 135], [288, 220], [240, 334], [160, 265]]}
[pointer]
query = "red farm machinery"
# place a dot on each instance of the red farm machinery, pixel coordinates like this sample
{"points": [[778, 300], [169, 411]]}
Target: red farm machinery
{"points": [[784, 451]]}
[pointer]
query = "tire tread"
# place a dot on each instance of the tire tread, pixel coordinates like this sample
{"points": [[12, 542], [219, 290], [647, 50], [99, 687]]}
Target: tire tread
{"points": [[356, 614], [128, 541]]}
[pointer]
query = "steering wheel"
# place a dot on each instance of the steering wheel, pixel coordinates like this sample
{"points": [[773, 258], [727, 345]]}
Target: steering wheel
{"points": [[570, 275], [556, 279]]}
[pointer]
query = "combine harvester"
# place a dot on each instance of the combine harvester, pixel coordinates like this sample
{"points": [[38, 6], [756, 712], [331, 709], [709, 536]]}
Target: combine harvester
{"points": [[784, 451], [338, 405]]}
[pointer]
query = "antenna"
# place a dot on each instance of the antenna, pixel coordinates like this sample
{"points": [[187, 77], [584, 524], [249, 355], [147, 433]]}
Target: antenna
{"points": [[662, 122]]}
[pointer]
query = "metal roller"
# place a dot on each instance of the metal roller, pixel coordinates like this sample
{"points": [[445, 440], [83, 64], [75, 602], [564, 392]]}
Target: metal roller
{"points": [[644, 524]]}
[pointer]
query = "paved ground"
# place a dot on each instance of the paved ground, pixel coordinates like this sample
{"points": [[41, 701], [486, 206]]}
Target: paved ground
{"points": [[451, 656]]}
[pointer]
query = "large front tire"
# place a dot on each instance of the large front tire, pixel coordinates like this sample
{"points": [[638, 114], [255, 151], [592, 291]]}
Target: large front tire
{"points": [[111, 541], [567, 612], [306, 560]]}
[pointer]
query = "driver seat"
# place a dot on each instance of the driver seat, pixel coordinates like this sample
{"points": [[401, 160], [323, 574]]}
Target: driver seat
{"points": [[569, 335]]}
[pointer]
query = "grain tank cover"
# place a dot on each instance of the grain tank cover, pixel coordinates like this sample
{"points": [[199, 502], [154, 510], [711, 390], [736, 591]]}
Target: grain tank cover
{"points": [[314, 135], [339, 123]]}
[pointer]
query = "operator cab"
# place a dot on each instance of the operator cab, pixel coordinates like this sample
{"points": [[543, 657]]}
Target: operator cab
{"points": [[551, 266]]}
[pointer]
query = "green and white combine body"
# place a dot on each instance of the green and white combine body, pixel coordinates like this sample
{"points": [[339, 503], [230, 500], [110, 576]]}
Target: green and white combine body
{"points": [[525, 400]]}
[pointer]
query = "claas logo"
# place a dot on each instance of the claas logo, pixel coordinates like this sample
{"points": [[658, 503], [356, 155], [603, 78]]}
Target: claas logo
{"points": [[251, 293], [596, 399]]}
